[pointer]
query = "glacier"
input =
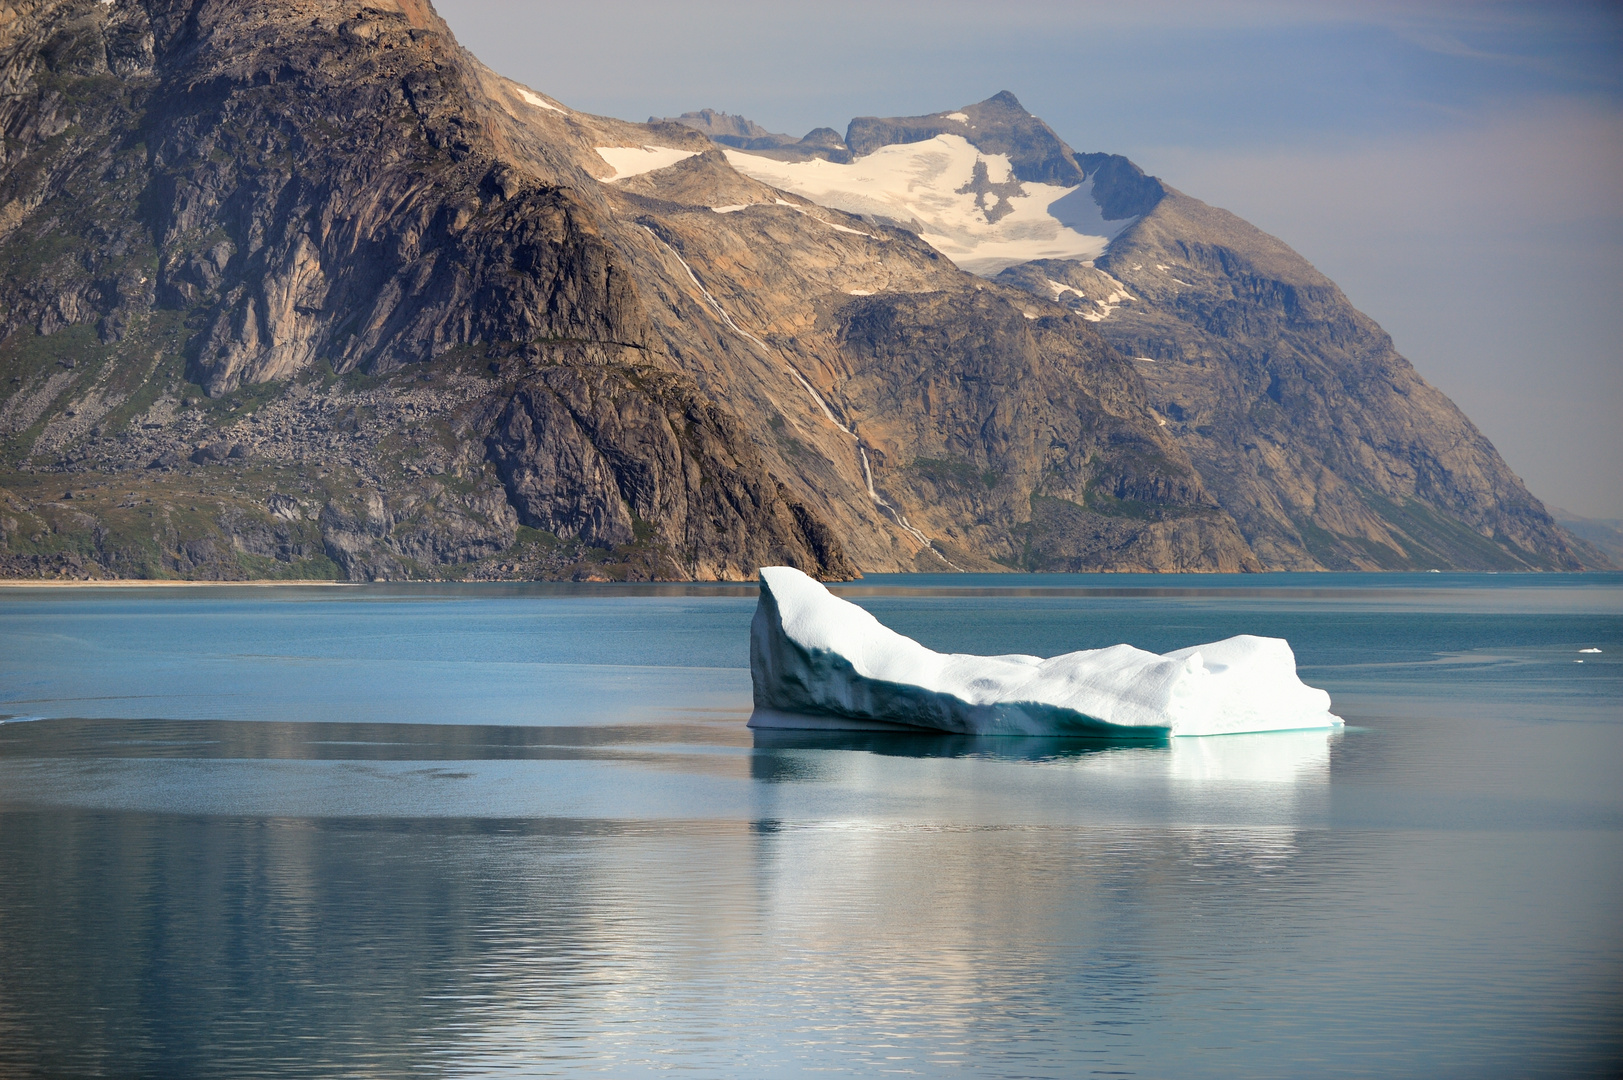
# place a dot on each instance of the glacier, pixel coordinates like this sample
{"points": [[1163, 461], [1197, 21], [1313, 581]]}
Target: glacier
{"points": [[819, 662], [928, 187]]}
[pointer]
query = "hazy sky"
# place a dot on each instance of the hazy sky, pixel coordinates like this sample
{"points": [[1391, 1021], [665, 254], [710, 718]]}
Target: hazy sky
{"points": [[1456, 167]]}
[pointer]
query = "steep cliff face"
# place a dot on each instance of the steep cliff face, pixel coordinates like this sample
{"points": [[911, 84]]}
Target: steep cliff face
{"points": [[231, 229], [1326, 446], [1023, 438]]}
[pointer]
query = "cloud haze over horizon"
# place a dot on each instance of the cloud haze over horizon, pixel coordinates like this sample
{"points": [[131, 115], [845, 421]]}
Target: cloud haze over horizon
{"points": [[1455, 167]]}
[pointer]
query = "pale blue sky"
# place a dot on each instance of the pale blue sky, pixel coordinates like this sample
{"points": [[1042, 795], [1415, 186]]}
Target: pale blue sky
{"points": [[1456, 167]]}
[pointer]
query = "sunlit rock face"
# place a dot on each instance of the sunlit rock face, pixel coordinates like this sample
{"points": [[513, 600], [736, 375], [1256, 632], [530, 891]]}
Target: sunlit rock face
{"points": [[821, 662]]}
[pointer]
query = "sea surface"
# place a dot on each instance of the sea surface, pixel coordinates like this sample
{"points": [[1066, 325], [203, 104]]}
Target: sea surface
{"points": [[492, 830]]}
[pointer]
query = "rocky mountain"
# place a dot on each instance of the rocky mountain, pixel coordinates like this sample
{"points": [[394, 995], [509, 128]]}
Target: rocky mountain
{"points": [[1309, 429], [275, 305], [300, 289]]}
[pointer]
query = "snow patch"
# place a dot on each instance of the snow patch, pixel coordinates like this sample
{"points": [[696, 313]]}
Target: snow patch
{"points": [[927, 186], [962, 118], [847, 229], [819, 661], [628, 161], [1109, 304], [837, 228], [538, 101], [732, 209]]}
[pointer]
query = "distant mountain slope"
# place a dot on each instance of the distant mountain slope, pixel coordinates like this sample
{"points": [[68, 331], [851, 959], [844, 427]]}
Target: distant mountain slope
{"points": [[1323, 443], [1605, 535]]}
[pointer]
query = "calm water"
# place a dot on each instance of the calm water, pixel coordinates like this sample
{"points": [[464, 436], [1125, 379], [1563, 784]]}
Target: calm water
{"points": [[500, 830]]}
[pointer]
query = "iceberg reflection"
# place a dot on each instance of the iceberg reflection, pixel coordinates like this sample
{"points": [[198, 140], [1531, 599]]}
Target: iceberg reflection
{"points": [[1273, 757]]}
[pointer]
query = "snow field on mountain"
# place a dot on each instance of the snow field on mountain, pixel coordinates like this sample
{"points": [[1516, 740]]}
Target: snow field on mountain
{"points": [[928, 186], [819, 661], [538, 101], [628, 161]]}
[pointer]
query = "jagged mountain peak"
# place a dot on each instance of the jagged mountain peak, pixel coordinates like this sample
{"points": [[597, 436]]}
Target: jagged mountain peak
{"points": [[999, 125], [745, 134], [714, 124]]}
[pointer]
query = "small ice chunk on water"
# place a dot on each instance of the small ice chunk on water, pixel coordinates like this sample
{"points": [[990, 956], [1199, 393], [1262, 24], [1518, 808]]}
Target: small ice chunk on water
{"points": [[1589, 650], [819, 661]]}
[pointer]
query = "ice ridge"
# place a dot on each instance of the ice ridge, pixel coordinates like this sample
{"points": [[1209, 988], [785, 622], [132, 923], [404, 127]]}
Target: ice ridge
{"points": [[821, 662]]}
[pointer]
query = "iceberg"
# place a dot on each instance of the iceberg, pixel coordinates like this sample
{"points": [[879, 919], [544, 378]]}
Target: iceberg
{"points": [[819, 662]]}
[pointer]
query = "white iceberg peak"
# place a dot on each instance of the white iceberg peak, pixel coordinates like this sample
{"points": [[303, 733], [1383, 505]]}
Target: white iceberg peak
{"points": [[819, 661]]}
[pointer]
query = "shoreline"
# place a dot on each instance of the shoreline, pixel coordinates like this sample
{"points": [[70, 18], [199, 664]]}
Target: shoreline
{"points": [[143, 583]]}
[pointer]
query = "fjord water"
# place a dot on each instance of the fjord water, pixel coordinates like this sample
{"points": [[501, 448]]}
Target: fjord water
{"points": [[492, 830]]}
